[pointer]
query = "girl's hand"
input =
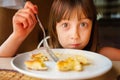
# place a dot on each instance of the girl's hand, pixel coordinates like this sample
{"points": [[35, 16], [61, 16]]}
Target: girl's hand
{"points": [[24, 20]]}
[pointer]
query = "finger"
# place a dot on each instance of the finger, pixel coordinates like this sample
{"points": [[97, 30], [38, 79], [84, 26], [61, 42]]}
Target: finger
{"points": [[29, 16], [32, 7], [19, 19]]}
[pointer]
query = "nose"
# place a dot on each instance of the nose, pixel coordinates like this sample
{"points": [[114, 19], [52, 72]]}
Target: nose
{"points": [[75, 34]]}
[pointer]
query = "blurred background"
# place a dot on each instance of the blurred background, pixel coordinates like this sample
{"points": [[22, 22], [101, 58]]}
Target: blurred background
{"points": [[108, 22]]}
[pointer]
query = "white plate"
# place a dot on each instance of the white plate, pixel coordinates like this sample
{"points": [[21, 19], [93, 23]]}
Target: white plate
{"points": [[99, 65]]}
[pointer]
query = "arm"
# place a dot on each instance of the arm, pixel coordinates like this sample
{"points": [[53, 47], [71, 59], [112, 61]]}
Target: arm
{"points": [[23, 23], [10, 46], [112, 53]]}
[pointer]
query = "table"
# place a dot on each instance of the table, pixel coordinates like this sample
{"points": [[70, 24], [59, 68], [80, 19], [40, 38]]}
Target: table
{"points": [[5, 63]]}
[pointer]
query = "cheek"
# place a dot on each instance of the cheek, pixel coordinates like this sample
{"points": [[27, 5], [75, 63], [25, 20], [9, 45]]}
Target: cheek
{"points": [[62, 38], [86, 37], [60, 35]]}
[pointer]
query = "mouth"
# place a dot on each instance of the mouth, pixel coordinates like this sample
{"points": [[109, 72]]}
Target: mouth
{"points": [[74, 45]]}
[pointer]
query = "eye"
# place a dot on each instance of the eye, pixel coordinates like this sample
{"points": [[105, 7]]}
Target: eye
{"points": [[83, 24], [64, 25]]}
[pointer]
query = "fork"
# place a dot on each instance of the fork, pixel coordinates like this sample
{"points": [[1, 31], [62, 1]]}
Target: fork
{"points": [[45, 44]]}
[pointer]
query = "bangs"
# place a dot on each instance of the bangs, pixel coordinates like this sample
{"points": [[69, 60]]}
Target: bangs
{"points": [[67, 11], [74, 11]]}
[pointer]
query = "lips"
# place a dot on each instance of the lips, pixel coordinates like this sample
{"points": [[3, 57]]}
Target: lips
{"points": [[75, 45]]}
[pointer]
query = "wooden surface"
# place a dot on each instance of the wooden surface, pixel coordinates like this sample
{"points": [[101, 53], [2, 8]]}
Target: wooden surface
{"points": [[6, 74]]}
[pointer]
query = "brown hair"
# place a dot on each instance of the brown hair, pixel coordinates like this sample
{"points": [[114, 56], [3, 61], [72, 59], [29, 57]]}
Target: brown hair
{"points": [[63, 9]]}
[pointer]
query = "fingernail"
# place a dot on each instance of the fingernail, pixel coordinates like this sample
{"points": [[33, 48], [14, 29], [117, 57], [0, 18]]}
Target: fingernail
{"points": [[36, 9]]}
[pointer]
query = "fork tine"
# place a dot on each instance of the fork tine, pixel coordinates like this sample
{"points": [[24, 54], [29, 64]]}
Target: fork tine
{"points": [[51, 53], [54, 57]]}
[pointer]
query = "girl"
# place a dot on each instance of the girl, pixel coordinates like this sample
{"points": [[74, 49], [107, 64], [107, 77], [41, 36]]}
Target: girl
{"points": [[71, 25]]}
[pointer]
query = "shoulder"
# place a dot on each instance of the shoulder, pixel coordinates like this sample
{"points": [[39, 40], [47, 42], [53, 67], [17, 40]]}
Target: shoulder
{"points": [[109, 49], [111, 52]]}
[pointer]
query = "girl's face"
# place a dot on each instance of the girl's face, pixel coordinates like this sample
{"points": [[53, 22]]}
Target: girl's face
{"points": [[74, 33]]}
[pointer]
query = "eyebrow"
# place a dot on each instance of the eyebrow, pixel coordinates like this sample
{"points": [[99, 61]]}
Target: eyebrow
{"points": [[78, 19]]}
